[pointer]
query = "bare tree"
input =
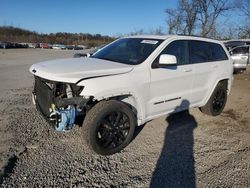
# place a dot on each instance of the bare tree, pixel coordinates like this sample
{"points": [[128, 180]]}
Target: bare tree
{"points": [[244, 7], [156, 31], [196, 15], [174, 21], [189, 14], [209, 11], [182, 20]]}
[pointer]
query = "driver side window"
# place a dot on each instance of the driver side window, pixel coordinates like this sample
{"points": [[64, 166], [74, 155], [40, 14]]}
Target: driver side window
{"points": [[179, 49]]}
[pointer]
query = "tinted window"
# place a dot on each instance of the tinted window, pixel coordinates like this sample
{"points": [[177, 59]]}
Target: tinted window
{"points": [[234, 43], [240, 50], [218, 53], [130, 51], [201, 51], [179, 49]]}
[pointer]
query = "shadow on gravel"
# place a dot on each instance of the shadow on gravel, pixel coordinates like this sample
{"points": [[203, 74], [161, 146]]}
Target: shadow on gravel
{"points": [[175, 166], [8, 169], [138, 129]]}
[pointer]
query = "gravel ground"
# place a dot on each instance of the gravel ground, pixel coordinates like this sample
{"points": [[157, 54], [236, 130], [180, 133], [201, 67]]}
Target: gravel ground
{"points": [[187, 149]]}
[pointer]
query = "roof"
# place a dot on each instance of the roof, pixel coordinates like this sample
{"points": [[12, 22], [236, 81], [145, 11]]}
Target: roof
{"points": [[185, 37], [237, 40], [162, 37]]}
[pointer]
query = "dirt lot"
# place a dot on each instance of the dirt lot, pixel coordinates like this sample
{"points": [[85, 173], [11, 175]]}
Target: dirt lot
{"points": [[182, 150]]}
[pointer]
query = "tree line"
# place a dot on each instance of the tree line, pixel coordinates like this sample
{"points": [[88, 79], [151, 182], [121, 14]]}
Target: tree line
{"points": [[17, 35]]}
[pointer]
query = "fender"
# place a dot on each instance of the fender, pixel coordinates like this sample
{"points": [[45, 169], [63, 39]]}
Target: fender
{"points": [[130, 98], [214, 86], [120, 87]]}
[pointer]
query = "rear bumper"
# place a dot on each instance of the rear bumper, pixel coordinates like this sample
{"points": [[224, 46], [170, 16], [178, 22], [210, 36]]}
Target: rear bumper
{"points": [[240, 66]]}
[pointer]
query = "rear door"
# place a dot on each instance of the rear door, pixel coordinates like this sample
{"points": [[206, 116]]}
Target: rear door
{"points": [[208, 61]]}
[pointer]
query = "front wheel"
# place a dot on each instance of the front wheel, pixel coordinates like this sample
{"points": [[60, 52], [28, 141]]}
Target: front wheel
{"points": [[109, 127], [217, 101]]}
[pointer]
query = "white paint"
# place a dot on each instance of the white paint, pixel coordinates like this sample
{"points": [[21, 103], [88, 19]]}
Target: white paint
{"points": [[193, 83]]}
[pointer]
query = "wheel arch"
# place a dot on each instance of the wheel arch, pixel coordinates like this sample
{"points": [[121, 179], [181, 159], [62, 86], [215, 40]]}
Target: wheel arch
{"points": [[132, 100], [224, 80]]}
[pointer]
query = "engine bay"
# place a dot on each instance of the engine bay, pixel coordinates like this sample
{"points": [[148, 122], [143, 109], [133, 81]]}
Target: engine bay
{"points": [[60, 103]]}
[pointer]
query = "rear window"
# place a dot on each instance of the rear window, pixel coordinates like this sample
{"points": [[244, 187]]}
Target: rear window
{"points": [[201, 51], [240, 50], [218, 53]]}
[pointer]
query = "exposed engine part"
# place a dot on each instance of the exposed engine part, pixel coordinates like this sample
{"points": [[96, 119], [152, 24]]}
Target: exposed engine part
{"points": [[63, 118], [59, 102], [69, 92], [79, 101]]}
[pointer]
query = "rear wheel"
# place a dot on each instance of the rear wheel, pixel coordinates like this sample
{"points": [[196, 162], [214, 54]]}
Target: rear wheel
{"points": [[217, 101], [109, 127]]}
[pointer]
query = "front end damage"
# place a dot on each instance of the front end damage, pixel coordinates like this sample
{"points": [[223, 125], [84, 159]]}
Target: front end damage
{"points": [[60, 103]]}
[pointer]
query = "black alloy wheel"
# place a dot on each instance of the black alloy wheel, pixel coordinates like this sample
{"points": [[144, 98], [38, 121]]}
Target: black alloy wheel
{"points": [[219, 100], [113, 130], [109, 127]]}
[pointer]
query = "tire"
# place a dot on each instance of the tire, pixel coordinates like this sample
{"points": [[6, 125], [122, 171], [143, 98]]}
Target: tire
{"points": [[109, 127], [217, 101]]}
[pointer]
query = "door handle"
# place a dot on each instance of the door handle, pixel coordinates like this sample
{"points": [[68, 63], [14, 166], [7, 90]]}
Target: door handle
{"points": [[187, 70]]}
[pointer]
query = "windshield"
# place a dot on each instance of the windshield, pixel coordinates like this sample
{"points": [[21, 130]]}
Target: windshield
{"points": [[130, 51]]}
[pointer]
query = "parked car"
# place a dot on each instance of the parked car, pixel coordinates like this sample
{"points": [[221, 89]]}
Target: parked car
{"points": [[237, 42], [130, 82], [45, 46], [3, 45], [59, 47], [79, 48], [90, 53], [70, 47], [241, 57], [32, 45]]}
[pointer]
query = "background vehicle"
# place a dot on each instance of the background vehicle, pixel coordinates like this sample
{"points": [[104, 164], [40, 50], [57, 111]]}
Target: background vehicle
{"points": [[59, 47], [2, 45], [32, 45], [78, 48], [90, 53], [130, 82], [69, 47], [45, 46], [241, 57], [234, 43]]}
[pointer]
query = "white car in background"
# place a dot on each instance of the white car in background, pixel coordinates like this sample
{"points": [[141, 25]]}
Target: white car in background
{"points": [[241, 57], [59, 47], [130, 82]]}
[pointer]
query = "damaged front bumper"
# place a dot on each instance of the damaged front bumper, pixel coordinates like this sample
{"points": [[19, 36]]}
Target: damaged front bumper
{"points": [[59, 103]]}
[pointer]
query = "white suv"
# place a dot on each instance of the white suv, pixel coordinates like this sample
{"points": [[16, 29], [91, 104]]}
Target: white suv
{"points": [[131, 81]]}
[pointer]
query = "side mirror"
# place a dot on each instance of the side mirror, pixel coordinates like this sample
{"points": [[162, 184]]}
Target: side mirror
{"points": [[166, 59]]}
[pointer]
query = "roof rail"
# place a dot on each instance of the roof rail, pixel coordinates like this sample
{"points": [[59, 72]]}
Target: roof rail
{"points": [[196, 36]]}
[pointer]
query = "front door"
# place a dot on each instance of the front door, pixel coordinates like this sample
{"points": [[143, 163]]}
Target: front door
{"points": [[171, 86]]}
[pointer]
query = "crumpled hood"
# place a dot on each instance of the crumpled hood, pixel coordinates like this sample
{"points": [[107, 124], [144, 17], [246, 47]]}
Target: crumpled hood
{"points": [[72, 70]]}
